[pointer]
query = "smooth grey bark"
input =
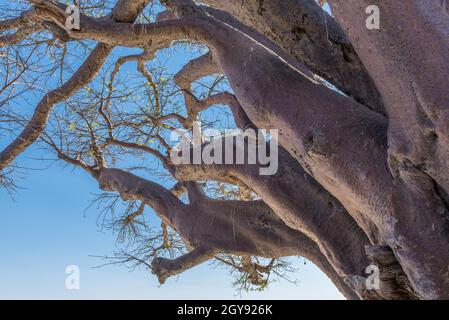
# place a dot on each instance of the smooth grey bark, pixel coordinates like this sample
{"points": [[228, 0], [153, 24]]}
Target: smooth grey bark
{"points": [[344, 147], [409, 65], [313, 37], [407, 58]]}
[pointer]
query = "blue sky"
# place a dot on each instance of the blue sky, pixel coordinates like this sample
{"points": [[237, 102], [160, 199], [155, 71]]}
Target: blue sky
{"points": [[44, 227]]}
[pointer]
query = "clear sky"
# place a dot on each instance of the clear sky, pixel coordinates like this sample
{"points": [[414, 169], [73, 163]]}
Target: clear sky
{"points": [[44, 227]]}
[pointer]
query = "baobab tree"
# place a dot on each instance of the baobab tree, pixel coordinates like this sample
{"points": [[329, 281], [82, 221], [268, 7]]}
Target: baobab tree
{"points": [[362, 115]]}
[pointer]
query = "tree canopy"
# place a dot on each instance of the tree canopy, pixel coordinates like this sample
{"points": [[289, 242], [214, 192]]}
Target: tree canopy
{"points": [[361, 115]]}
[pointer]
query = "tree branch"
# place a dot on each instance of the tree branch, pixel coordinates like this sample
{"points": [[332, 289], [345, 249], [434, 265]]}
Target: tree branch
{"points": [[86, 72], [132, 187]]}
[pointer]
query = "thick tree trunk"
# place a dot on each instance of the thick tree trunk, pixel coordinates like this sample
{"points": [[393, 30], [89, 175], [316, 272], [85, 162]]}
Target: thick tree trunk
{"points": [[407, 58], [312, 36], [323, 136]]}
